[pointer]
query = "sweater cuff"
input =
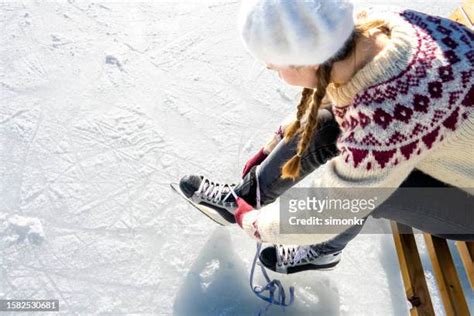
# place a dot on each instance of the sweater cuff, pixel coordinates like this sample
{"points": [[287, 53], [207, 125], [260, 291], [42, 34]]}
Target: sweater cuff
{"points": [[250, 226]]}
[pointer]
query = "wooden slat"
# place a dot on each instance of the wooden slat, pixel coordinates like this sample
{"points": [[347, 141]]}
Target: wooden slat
{"points": [[464, 14], [466, 252], [416, 288], [446, 276], [459, 17], [468, 8], [470, 248]]}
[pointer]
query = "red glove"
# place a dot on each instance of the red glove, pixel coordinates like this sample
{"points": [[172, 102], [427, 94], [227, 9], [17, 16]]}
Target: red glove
{"points": [[254, 161], [259, 157]]}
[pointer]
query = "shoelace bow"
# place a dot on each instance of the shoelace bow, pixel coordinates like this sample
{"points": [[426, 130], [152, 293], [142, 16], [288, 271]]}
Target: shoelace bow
{"points": [[214, 191], [292, 255]]}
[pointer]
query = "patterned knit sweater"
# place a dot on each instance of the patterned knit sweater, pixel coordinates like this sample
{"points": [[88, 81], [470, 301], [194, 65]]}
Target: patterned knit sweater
{"points": [[412, 106]]}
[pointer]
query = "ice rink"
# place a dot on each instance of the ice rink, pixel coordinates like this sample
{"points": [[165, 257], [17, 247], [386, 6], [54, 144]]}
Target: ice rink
{"points": [[103, 105]]}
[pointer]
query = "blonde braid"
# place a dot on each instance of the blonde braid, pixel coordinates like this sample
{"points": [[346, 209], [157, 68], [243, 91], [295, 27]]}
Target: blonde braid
{"points": [[291, 169], [291, 129]]}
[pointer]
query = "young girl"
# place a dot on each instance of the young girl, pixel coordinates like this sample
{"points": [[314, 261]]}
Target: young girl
{"points": [[387, 102]]}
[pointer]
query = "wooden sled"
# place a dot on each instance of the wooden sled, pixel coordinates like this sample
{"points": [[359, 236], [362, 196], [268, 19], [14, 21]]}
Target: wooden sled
{"points": [[447, 279]]}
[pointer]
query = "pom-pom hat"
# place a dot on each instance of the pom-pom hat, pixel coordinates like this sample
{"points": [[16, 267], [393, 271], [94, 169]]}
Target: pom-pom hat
{"points": [[295, 32]]}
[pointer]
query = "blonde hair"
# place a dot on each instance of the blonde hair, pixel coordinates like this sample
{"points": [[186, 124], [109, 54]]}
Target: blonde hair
{"points": [[311, 99]]}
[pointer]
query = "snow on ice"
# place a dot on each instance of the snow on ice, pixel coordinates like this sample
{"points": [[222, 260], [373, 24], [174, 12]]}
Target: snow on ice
{"points": [[19, 228]]}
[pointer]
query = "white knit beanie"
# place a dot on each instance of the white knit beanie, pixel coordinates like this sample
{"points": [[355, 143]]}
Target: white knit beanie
{"points": [[295, 32]]}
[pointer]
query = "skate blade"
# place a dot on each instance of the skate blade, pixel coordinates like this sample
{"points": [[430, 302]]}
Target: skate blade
{"points": [[209, 212]]}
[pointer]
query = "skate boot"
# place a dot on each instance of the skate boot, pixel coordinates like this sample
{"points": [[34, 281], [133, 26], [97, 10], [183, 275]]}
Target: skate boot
{"points": [[224, 199], [292, 259]]}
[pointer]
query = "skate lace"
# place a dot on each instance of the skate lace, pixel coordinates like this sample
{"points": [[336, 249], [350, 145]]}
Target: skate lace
{"points": [[214, 192], [274, 288], [293, 255]]}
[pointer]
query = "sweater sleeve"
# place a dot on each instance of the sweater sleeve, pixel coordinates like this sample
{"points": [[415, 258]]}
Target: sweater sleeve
{"points": [[360, 164], [339, 172]]}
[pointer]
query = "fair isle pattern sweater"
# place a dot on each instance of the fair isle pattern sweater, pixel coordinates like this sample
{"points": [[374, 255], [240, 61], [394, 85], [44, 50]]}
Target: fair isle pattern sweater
{"points": [[412, 106]]}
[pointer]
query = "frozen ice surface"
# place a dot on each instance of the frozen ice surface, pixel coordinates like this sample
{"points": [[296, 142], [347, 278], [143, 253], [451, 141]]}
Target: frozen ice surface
{"points": [[102, 105]]}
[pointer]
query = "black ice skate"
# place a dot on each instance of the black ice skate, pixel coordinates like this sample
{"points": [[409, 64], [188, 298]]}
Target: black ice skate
{"points": [[216, 200], [292, 259]]}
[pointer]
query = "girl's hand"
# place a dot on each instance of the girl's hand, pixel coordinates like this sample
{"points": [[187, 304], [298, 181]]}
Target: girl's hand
{"points": [[263, 153]]}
